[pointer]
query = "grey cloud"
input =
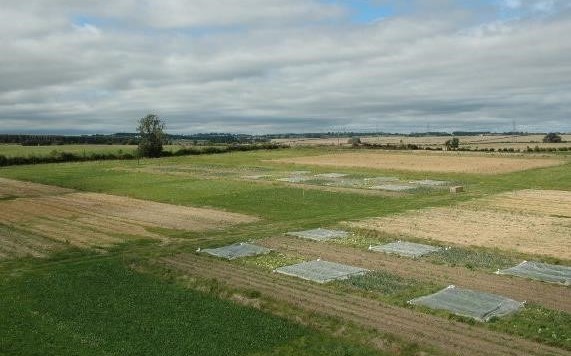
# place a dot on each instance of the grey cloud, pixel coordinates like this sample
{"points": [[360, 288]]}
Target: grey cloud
{"points": [[301, 73]]}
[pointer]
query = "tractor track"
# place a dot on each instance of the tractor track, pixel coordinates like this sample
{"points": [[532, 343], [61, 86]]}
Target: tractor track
{"points": [[449, 336]]}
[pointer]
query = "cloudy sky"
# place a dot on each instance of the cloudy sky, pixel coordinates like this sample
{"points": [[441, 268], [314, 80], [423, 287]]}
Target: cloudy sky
{"points": [[260, 66]]}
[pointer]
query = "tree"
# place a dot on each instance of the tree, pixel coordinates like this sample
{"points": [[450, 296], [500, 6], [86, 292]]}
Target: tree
{"points": [[152, 136], [452, 144], [354, 141], [552, 137]]}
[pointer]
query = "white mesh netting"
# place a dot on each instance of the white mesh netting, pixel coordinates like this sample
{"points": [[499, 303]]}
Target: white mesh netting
{"points": [[321, 271], [478, 305]]}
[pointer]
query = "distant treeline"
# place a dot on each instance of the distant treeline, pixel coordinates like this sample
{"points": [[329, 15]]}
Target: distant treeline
{"points": [[411, 146], [381, 133], [49, 140], [128, 139], [59, 157]]}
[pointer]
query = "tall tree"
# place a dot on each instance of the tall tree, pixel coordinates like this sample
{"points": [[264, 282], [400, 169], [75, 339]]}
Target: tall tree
{"points": [[152, 137], [452, 144], [552, 137]]}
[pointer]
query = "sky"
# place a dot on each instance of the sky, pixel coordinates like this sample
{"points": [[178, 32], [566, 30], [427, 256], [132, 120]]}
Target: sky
{"points": [[271, 66]]}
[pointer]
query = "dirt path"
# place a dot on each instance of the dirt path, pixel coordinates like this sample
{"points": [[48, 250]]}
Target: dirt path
{"points": [[549, 295], [446, 335]]}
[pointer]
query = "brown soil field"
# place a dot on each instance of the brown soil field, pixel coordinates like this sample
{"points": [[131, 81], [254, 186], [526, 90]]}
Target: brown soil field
{"points": [[15, 188], [445, 335], [95, 221], [472, 226], [543, 202], [424, 162], [551, 296]]}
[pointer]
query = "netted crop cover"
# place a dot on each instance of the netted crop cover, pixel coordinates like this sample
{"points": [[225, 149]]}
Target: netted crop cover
{"points": [[297, 179], [430, 182], [394, 187], [319, 234], [237, 251], [407, 249], [465, 302], [541, 271], [331, 175], [321, 271]]}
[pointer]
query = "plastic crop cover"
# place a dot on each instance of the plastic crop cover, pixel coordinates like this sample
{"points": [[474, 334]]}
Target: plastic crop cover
{"points": [[319, 234], [237, 251], [465, 302], [407, 249], [321, 271], [541, 271]]}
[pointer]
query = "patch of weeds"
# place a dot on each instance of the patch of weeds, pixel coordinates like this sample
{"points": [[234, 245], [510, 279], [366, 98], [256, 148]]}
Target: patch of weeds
{"points": [[360, 240], [537, 323], [471, 258], [390, 287], [270, 261]]}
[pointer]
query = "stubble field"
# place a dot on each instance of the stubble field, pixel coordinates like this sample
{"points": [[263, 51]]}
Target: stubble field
{"points": [[423, 162]]}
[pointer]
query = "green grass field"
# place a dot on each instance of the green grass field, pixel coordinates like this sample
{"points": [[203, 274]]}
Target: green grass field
{"points": [[96, 304]]}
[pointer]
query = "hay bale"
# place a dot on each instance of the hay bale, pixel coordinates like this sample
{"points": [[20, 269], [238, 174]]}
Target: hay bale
{"points": [[457, 189]]}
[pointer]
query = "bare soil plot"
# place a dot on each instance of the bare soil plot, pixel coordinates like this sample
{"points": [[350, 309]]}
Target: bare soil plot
{"points": [[545, 202], [408, 324], [551, 296], [465, 225], [95, 221], [424, 162], [15, 188]]}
